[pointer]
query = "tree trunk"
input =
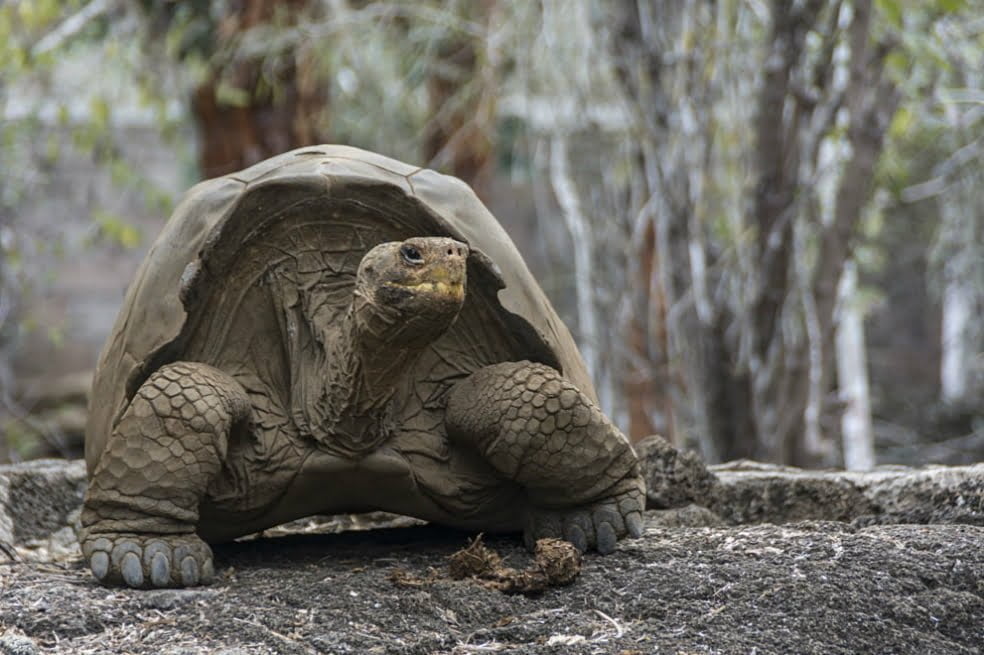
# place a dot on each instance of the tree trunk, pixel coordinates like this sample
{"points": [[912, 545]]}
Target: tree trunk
{"points": [[646, 379], [249, 109], [778, 400], [963, 292], [852, 376], [958, 304], [871, 99], [649, 410], [460, 83], [781, 386]]}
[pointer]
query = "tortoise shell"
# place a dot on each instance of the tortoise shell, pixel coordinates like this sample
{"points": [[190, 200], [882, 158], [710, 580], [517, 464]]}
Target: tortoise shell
{"points": [[246, 257]]}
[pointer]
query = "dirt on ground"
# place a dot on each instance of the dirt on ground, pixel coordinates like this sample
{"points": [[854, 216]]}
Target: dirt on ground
{"points": [[809, 587], [763, 560]]}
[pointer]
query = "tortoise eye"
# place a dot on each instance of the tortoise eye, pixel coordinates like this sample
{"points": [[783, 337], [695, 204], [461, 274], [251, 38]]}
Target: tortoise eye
{"points": [[411, 255]]}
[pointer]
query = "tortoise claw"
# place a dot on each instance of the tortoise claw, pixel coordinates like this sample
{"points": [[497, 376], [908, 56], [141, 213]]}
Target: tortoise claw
{"points": [[149, 561], [597, 526]]}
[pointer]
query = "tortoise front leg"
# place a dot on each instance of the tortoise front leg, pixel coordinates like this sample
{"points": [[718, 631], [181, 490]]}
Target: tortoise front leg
{"points": [[141, 508], [537, 429]]}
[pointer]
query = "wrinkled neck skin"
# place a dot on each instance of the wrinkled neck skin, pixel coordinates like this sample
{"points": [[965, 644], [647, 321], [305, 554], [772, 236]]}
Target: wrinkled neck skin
{"points": [[363, 359], [373, 359]]}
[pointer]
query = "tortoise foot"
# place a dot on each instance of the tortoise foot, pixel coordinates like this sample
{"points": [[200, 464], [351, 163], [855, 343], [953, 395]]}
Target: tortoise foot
{"points": [[594, 526], [145, 561]]}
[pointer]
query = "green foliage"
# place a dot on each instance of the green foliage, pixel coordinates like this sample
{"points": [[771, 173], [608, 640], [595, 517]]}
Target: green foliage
{"points": [[18, 440], [45, 120], [951, 6], [116, 230], [233, 96], [931, 65], [892, 10]]}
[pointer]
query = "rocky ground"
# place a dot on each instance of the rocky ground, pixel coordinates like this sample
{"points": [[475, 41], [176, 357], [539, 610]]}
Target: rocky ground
{"points": [[901, 571]]}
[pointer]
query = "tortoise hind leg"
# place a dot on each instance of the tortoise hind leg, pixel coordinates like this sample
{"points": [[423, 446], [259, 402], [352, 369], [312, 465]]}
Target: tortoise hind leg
{"points": [[537, 429], [141, 508]]}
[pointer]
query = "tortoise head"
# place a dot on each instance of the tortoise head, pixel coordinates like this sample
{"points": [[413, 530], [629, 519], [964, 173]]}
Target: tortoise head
{"points": [[407, 293]]}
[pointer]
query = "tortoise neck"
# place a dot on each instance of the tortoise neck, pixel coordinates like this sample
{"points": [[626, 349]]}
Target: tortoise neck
{"points": [[343, 385], [377, 366], [343, 376], [360, 376]]}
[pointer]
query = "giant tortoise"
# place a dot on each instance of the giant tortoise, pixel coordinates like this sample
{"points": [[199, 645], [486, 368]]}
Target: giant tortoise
{"points": [[334, 331]]}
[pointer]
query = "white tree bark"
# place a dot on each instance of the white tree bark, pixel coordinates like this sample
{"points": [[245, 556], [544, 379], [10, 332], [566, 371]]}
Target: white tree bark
{"points": [[585, 280], [852, 372], [959, 296], [958, 303]]}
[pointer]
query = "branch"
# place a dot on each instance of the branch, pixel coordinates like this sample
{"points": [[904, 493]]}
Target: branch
{"points": [[70, 27], [944, 173]]}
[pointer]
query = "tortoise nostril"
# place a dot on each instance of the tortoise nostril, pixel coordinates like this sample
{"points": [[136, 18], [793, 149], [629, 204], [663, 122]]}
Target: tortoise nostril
{"points": [[451, 252]]}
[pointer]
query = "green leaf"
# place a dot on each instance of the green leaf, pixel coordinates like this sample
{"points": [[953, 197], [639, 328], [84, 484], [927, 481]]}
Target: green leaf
{"points": [[48, 11], [951, 6], [18, 59], [52, 148], [56, 335], [897, 62], [100, 112], [901, 122], [120, 172], [233, 96], [117, 230], [6, 26], [892, 9]]}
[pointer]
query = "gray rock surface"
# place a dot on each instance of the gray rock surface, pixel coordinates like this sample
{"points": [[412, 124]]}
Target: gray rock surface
{"points": [[674, 478], [39, 504], [810, 587], [806, 586], [751, 492]]}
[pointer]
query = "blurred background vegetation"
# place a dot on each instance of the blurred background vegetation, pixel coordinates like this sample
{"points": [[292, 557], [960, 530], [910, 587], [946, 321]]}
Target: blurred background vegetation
{"points": [[763, 220]]}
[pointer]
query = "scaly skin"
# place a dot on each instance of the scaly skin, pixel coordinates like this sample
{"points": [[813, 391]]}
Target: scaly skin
{"points": [[178, 445], [537, 429], [141, 507]]}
